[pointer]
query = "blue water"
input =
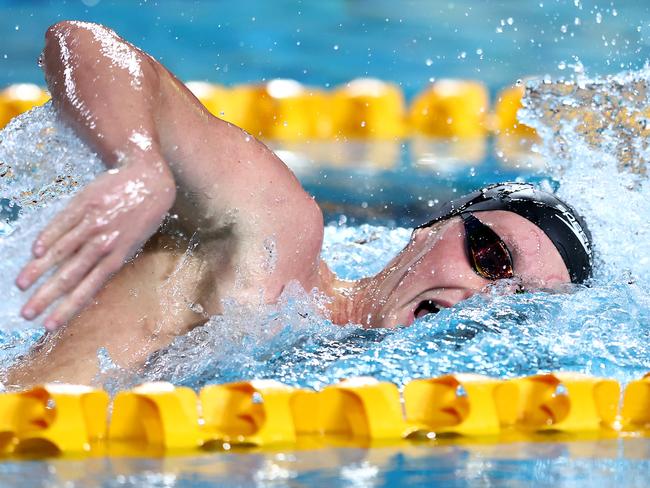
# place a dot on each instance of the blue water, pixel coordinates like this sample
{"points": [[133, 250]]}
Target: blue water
{"points": [[546, 464], [330, 42], [601, 329]]}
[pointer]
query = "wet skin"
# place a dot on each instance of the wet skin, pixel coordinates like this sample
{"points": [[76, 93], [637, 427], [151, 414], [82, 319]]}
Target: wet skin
{"points": [[435, 266], [241, 225]]}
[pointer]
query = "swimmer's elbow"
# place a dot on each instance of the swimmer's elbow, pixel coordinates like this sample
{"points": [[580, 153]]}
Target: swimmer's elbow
{"points": [[54, 31], [79, 47], [64, 40], [72, 30]]}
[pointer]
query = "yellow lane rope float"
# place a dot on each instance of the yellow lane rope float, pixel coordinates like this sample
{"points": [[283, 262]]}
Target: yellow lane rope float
{"points": [[363, 108], [57, 418], [20, 98]]}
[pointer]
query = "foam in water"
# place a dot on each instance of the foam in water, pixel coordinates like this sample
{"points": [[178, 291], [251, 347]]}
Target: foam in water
{"points": [[601, 329], [42, 163], [596, 141]]}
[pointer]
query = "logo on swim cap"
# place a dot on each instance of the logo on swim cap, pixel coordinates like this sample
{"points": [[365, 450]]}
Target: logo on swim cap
{"points": [[573, 224]]}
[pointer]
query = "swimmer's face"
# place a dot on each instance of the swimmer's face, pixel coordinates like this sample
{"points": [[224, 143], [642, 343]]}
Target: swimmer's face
{"points": [[434, 271]]}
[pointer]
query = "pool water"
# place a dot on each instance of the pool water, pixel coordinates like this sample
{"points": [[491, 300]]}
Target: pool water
{"points": [[545, 464], [327, 43], [600, 329]]}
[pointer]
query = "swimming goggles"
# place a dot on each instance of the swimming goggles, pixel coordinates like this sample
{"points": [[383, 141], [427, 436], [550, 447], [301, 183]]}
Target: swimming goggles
{"points": [[488, 254], [560, 222]]}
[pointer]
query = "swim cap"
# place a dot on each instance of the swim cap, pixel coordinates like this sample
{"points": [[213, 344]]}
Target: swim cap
{"points": [[560, 222]]}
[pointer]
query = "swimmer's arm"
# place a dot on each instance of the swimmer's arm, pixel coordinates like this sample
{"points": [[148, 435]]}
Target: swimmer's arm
{"points": [[144, 122], [123, 100], [106, 90]]}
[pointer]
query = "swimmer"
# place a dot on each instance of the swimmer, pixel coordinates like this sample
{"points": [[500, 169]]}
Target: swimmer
{"points": [[193, 210]]}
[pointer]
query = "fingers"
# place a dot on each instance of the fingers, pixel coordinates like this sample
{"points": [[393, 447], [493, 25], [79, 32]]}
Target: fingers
{"points": [[57, 253], [83, 293], [66, 278], [58, 227]]}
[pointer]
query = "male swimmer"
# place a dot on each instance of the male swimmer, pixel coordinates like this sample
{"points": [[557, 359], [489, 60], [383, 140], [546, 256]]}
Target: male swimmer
{"points": [[237, 224]]}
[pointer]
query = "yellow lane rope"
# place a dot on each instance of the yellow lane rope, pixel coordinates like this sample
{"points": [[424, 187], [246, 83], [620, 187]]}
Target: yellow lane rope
{"points": [[363, 108], [59, 418]]}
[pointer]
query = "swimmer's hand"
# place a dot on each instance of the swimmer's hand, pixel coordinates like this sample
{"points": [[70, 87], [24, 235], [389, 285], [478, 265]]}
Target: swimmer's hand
{"points": [[101, 228]]}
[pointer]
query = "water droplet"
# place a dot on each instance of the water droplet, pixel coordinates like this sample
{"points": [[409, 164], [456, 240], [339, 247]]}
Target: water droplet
{"points": [[561, 65], [599, 17], [510, 21], [428, 62], [336, 47]]}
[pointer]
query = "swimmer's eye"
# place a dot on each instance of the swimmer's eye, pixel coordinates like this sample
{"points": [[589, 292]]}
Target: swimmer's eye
{"points": [[488, 254], [426, 307]]}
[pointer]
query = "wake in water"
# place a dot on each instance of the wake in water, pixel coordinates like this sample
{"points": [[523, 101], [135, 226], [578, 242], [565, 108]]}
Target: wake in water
{"points": [[594, 140]]}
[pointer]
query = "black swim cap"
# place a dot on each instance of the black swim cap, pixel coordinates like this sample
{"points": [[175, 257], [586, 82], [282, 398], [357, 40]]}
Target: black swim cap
{"points": [[560, 222]]}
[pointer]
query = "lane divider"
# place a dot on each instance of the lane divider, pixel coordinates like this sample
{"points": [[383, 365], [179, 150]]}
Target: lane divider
{"points": [[255, 412], [156, 414], [635, 414], [57, 418], [19, 98], [53, 417], [364, 108], [463, 404]]}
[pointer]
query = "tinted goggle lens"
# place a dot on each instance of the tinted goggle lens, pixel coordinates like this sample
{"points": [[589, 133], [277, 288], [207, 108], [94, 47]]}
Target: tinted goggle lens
{"points": [[488, 254]]}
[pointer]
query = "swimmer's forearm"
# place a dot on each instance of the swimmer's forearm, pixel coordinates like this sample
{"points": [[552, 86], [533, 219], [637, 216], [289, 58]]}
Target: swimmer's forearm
{"points": [[108, 91], [106, 88]]}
